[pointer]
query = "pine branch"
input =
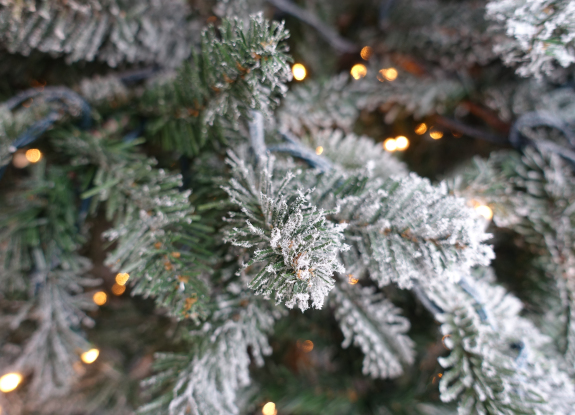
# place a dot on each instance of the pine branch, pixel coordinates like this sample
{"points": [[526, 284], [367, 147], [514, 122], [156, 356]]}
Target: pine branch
{"points": [[533, 195], [496, 363], [373, 324], [235, 72], [40, 239], [111, 31], [539, 37], [402, 229], [452, 35], [158, 242], [206, 380], [296, 244]]}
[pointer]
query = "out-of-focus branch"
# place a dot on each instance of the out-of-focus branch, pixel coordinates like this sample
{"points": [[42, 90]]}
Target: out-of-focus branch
{"points": [[339, 43]]}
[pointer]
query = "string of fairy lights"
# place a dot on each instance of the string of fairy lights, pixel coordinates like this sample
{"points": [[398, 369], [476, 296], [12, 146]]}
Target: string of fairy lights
{"points": [[359, 71]]}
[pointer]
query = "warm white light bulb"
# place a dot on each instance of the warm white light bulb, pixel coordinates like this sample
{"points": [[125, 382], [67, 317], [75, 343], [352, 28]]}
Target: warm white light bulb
{"points": [[484, 211], [90, 356], [122, 278], [269, 409], [299, 72], [10, 381], [390, 145], [401, 142], [358, 71]]}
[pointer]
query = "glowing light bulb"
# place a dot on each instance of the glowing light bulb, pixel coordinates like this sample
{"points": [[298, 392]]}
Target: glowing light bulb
{"points": [[100, 298], [358, 71], [118, 289], [90, 356], [389, 74], [351, 279], [436, 135], [421, 129], [319, 150], [401, 142], [19, 160], [122, 278], [484, 211], [366, 53], [390, 145], [299, 72], [10, 381], [33, 155], [306, 346], [269, 409]]}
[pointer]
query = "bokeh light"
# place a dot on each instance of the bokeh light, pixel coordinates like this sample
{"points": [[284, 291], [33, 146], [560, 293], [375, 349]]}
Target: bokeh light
{"points": [[484, 211], [10, 381], [319, 150], [401, 142], [19, 160], [33, 155], [390, 145], [387, 74], [358, 71], [269, 409], [118, 289], [421, 129], [122, 278], [306, 346], [299, 72], [100, 298], [366, 53], [90, 356], [436, 135]]}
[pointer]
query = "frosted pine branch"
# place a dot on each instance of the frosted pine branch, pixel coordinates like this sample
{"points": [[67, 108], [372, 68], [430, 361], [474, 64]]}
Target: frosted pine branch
{"points": [[540, 34], [374, 324], [236, 71], [336, 102], [52, 352], [403, 229], [207, 380], [533, 194], [294, 246], [43, 278], [111, 31], [157, 242], [498, 358]]}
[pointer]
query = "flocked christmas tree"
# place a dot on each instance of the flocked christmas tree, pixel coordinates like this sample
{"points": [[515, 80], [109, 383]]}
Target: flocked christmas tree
{"points": [[204, 213]]}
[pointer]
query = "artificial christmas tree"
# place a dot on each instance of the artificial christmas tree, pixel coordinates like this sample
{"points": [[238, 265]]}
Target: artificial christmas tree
{"points": [[186, 230]]}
